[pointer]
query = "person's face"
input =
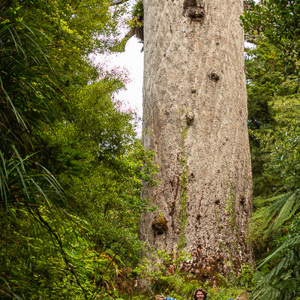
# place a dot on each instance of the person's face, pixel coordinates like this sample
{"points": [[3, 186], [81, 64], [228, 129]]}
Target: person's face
{"points": [[200, 295]]}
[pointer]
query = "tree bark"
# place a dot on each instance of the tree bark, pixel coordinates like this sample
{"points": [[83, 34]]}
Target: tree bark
{"points": [[195, 121]]}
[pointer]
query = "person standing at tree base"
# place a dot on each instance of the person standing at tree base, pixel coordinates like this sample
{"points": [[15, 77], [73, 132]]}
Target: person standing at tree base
{"points": [[199, 294]]}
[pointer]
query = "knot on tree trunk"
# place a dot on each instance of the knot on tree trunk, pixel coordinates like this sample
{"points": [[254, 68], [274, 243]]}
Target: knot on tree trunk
{"points": [[194, 9], [160, 224], [190, 118], [214, 76]]}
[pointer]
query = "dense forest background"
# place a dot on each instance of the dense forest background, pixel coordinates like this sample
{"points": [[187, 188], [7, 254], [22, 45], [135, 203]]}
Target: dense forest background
{"points": [[72, 167]]}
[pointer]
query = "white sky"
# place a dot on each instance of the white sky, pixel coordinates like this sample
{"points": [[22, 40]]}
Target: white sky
{"points": [[133, 60]]}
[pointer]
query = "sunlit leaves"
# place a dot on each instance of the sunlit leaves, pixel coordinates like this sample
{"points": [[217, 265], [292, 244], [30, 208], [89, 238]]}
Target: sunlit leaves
{"points": [[71, 167]]}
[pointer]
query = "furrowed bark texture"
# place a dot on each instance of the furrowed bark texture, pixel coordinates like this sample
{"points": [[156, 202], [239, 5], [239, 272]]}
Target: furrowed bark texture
{"points": [[195, 120]]}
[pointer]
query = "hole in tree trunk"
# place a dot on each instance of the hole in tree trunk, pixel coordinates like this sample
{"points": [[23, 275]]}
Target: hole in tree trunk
{"points": [[214, 76], [160, 225]]}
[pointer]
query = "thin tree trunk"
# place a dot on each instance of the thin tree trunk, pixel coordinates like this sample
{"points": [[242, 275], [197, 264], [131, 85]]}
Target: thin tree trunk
{"points": [[195, 120]]}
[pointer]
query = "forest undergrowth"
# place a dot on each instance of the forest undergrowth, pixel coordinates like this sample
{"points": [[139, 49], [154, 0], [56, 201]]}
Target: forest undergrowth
{"points": [[72, 166]]}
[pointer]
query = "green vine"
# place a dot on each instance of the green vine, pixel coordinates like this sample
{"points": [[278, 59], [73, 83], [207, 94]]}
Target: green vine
{"points": [[184, 183], [230, 210]]}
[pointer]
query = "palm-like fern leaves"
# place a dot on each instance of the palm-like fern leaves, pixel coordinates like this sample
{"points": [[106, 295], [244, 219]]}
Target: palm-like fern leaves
{"points": [[283, 207], [283, 282]]}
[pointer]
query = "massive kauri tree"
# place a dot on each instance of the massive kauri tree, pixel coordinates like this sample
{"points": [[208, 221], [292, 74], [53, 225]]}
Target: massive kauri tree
{"points": [[195, 121]]}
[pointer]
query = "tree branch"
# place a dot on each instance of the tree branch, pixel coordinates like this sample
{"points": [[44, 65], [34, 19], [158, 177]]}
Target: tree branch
{"points": [[117, 2]]}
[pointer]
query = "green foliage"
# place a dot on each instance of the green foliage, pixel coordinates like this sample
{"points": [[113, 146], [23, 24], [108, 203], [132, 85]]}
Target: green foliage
{"points": [[281, 209], [167, 264], [272, 104], [273, 79], [273, 91], [181, 288], [282, 282], [71, 166], [273, 108], [136, 27], [136, 21], [137, 15], [277, 20], [138, 10], [168, 278]]}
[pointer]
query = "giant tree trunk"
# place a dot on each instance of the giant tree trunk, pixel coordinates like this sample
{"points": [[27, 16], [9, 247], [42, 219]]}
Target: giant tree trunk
{"points": [[195, 121]]}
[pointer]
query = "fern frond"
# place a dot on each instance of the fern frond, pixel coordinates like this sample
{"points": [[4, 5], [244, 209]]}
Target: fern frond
{"points": [[283, 208], [18, 186], [291, 205], [293, 243], [283, 281]]}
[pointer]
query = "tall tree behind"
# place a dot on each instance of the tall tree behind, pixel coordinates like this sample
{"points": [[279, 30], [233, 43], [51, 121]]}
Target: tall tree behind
{"points": [[195, 120]]}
